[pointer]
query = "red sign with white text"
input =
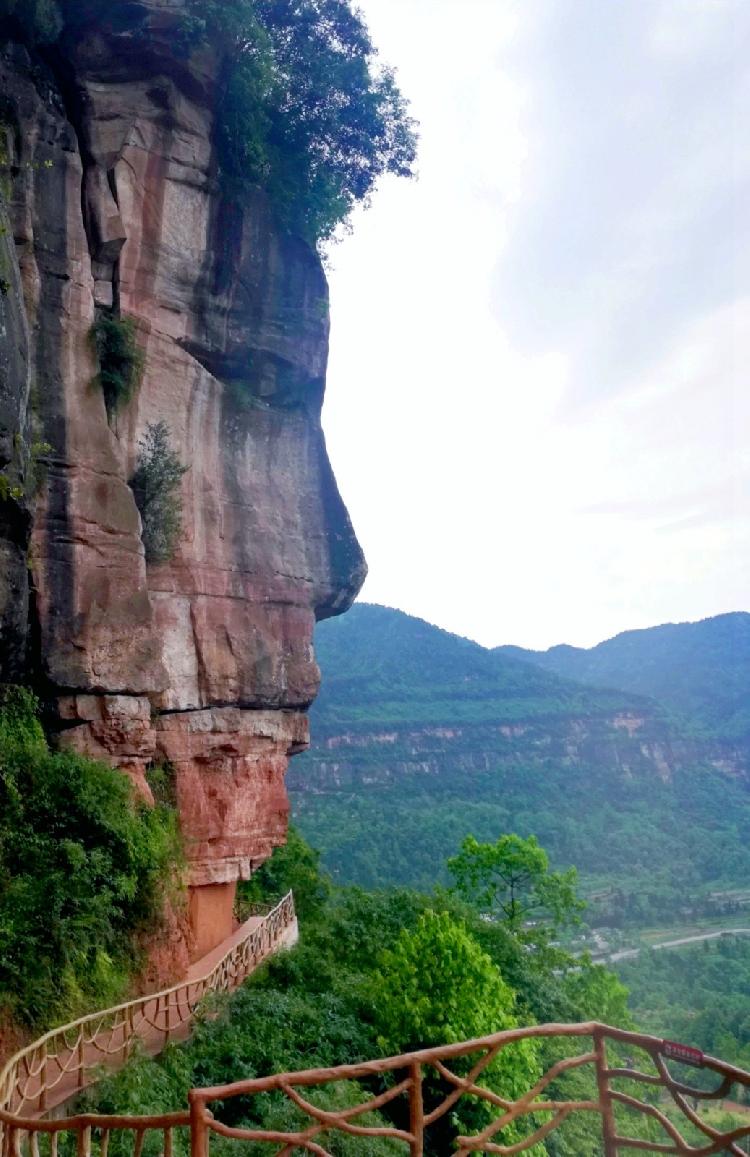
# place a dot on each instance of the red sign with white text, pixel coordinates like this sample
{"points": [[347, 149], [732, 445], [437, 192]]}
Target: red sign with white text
{"points": [[684, 1053]]}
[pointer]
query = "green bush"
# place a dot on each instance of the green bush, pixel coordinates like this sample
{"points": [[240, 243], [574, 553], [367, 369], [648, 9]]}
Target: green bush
{"points": [[280, 1113], [254, 1033], [156, 485], [160, 777], [120, 359], [82, 868], [8, 490]]}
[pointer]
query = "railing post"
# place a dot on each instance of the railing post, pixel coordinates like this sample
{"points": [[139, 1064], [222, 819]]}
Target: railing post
{"points": [[198, 1126], [129, 1032], [83, 1141], [416, 1111], [609, 1128], [43, 1083]]}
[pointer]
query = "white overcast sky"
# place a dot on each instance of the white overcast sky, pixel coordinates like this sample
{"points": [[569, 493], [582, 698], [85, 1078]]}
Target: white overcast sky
{"points": [[538, 407]]}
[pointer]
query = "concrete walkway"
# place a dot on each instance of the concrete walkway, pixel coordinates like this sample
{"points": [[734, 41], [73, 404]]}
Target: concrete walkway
{"points": [[208, 962]]}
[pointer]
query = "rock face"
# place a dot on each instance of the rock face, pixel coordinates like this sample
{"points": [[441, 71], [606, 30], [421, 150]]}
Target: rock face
{"points": [[14, 395], [630, 747], [204, 661]]}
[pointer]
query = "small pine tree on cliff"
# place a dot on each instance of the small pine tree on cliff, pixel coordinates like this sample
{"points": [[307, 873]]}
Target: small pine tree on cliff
{"points": [[156, 486]]}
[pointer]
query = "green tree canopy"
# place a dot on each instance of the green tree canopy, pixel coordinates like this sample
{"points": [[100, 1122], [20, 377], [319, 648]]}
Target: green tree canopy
{"points": [[306, 111], [437, 986], [511, 879]]}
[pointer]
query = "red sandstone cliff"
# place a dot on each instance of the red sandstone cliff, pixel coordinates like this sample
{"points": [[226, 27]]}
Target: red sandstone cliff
{"points": [[206, 661]]}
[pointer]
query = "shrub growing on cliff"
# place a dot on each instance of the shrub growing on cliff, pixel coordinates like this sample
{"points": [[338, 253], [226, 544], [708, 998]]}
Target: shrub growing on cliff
{"points": [[82, 867], [120, 359], [156, 486]]}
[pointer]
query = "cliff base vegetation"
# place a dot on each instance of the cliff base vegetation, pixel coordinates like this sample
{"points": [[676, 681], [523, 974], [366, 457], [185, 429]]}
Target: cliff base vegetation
{"points": [[83, 866]]}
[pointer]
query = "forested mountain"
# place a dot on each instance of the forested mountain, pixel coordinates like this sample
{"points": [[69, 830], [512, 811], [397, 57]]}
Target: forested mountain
{"points": [[420, 737], [700, 669], [383, 666]]}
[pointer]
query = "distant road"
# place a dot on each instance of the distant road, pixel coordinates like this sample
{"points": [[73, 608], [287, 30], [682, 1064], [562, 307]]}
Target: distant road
{"points": [[629, 953]]}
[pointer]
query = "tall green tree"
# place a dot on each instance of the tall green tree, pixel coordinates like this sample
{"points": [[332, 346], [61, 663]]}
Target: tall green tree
{"points": [[511, 880], [437, 986]]}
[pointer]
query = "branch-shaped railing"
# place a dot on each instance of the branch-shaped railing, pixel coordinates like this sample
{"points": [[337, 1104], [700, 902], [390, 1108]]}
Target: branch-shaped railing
{"points": [[418, 1092], [434, 1070], [56, 1066]]}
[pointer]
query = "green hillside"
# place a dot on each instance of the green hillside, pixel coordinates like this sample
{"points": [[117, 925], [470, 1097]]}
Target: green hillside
{"points": [[420, 737], [699, 669]]}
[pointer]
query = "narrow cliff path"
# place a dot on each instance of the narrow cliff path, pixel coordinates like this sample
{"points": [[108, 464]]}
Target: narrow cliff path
{"points": [[64, 1062], [83, 1066]]}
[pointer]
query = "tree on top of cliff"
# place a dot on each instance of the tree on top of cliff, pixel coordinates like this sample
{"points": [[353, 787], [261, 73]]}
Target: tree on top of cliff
{"points": [[306, 110]]}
